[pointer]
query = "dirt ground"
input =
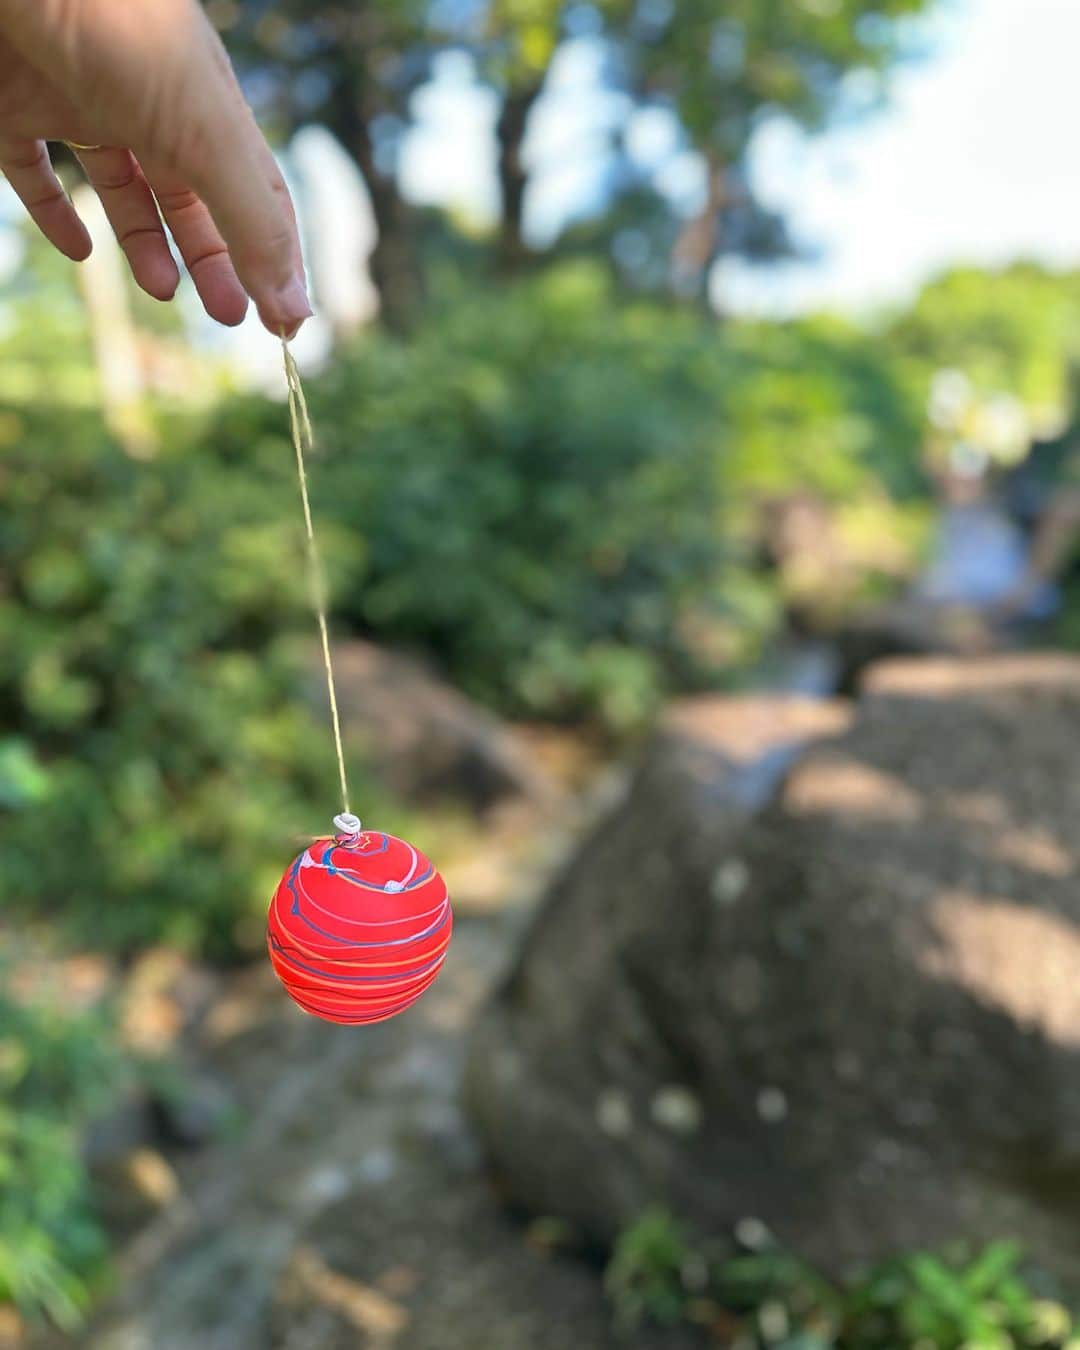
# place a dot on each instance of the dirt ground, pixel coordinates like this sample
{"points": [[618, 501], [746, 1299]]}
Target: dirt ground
{"points": [[344, 1202]]}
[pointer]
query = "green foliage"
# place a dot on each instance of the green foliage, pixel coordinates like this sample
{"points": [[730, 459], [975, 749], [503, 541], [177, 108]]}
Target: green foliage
{"points": [[727, 66], [721, 69], [1015, 331], [535, 478], [522, 35], [645, 1278], [770, 1300], [819, 405], [45, 351], [56, 1070], [156, 760], [554, 487]]}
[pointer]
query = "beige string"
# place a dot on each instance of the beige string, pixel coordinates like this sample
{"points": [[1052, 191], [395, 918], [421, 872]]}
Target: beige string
{"points": [[303, 442]]}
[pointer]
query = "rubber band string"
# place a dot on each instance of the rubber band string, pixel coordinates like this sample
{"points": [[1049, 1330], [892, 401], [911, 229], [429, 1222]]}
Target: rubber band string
{"points": [[303, 442]]}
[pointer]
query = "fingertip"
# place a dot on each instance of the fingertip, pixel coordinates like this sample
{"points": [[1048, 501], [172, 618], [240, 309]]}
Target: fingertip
{"points": [[286, 330], [222, 296], [64, 230], [158, 279], [229, 310], [151, 263], [79, 246], [286, 308]]}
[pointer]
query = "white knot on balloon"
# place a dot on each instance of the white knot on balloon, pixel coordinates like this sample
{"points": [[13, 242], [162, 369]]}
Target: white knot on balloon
{"points": [[347, 823]]}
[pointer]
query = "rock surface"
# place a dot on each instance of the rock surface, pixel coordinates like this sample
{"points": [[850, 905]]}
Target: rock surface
{"points": [[425, 739], [836, 992]]}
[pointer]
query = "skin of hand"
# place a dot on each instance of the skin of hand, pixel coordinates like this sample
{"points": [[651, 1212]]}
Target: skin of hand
{"points": [[148, 85]]}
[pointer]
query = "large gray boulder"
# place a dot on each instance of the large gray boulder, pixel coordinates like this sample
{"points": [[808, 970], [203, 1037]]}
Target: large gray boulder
{"points": [[834, 991]]}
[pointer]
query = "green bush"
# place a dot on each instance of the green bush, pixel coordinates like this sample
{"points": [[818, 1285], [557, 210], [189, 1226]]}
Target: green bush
{"points": [[552, 484], [56, 1070], [1012, 330], [770, 1300], [819, 405], [534, 478], [157, 761]]}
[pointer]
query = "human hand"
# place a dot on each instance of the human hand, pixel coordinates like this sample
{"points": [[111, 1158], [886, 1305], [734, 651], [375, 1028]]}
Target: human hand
{"points": [[145, 93]]}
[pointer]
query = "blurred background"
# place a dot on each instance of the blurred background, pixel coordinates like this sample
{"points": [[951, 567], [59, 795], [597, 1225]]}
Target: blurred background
{"points": [[695, 385]]}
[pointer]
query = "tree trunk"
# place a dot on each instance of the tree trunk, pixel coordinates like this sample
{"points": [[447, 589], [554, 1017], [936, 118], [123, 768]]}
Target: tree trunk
{"points": [[512, 251], [699, 240], [395, 267], [113, 333]]}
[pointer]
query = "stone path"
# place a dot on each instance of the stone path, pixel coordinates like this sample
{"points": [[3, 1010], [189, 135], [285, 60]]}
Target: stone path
{"points": [[350, 1207]]}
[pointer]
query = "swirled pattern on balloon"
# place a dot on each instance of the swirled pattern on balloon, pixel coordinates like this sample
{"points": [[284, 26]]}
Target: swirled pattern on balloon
{"points": [[359, 927]]}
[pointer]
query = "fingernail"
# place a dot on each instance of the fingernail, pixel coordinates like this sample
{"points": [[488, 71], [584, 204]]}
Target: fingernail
{"points": [[291, 306]]}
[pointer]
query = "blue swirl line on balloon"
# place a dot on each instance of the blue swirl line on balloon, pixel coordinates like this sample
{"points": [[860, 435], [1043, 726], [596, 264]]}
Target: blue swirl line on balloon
{"points": [[290, 882], [366, 923], [332, 844], [346, 875]]}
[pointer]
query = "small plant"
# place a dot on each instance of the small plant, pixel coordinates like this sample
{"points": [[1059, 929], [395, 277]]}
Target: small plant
{"points": [[56, 1070], [982, 1303], [645, 1278], [770, 1300]]}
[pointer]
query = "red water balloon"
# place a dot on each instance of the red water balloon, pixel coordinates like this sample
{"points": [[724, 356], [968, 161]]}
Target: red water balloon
{"points": [[359, 925]]}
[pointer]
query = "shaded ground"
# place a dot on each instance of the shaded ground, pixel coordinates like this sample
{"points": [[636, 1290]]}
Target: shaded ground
{"points": [[347, 1207]]}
